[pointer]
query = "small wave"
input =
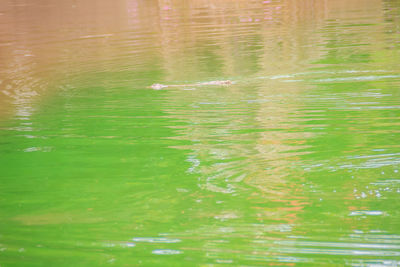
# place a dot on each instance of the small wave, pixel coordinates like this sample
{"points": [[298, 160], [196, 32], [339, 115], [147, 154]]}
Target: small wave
{"points": [[366, 212], [166, 252], [358, 78], [96, 36], [155, 240]]}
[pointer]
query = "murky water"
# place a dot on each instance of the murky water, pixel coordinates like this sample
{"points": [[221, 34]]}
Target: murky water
{"points": [[294, 163]]}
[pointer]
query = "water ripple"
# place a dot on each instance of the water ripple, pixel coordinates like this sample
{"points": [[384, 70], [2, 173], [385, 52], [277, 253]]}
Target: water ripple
{"points": [[155, 240], [166, 252]]}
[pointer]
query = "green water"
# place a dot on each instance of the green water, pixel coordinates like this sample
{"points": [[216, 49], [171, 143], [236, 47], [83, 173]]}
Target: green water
{"points": [[294, 164]]}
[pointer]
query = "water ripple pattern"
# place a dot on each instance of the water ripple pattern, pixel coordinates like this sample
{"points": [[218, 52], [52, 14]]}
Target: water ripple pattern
{"points": [[199, 133]]}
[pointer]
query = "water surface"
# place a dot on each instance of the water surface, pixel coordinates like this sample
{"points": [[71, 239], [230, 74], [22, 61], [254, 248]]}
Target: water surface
{"points": [[294, 164]]}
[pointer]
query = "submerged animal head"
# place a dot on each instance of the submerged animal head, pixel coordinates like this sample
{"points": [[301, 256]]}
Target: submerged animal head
{"points": [[158, 86]]}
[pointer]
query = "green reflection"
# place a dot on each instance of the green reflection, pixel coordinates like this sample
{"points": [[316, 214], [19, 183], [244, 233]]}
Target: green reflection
{"points": [[295, 163]]}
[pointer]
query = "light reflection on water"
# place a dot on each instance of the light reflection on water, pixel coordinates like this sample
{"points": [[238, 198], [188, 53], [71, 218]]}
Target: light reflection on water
{"points": [[294, 163]]}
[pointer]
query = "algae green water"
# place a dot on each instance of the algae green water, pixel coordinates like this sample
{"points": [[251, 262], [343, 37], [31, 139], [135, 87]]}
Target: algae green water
{"points": [[296, 163]]}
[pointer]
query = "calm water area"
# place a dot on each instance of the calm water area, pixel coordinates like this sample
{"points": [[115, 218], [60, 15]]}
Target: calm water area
{"points": [[296, 163]]}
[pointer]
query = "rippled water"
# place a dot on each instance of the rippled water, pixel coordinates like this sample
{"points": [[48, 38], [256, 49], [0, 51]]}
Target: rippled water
{"points": [[296, 163]]}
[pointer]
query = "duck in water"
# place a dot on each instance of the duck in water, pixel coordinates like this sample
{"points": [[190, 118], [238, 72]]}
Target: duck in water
{"points": [[159, 86]]}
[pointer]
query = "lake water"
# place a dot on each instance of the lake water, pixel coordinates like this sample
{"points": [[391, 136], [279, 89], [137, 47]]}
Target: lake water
{"points": [[296, 163]]}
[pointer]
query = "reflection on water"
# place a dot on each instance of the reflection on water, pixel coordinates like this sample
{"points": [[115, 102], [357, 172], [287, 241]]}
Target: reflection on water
{"points": [[296, 162]]}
